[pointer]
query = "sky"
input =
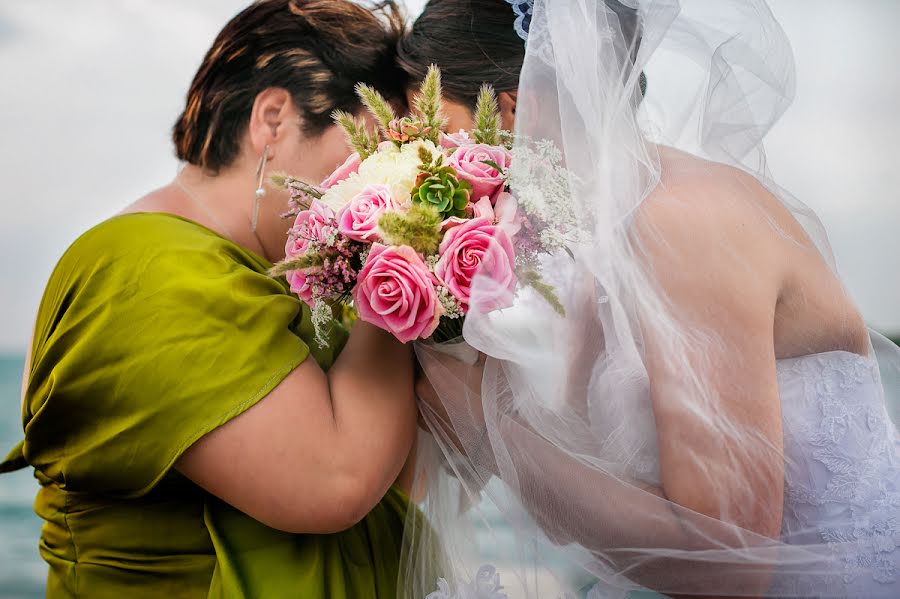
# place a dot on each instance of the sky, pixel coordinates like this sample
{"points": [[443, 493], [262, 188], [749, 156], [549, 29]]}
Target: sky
{"points": [[91, 88]]}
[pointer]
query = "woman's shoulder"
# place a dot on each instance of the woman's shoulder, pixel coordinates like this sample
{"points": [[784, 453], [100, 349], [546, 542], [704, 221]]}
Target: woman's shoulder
{"points": [[696, 184], [135, 230], [701, 202], [142, 256], [152, 238], [707, 226]]}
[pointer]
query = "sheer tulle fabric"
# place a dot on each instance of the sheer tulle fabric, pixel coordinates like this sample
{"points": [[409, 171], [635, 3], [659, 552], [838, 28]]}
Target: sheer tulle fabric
{"points": [[552, 432]]}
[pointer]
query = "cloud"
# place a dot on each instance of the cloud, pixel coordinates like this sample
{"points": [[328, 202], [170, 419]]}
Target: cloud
{"points": [[7, 32], [91, 89], [89, 100]]}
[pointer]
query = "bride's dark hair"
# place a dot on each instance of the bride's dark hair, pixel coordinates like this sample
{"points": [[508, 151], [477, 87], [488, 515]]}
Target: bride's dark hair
{"points": [[472, 41], [475, 42], [316, 49]]}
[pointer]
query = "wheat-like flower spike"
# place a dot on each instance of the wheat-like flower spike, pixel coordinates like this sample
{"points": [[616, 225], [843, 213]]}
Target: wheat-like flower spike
{"points": [[305, 188], [420, 228], [428, 103], [355, 130], [377, 105], [487, 117], [425, 155], [299, 263], [279, 180]]}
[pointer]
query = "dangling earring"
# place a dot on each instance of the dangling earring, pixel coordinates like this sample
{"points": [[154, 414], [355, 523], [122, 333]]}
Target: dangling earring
{"points": [[260, 188]]}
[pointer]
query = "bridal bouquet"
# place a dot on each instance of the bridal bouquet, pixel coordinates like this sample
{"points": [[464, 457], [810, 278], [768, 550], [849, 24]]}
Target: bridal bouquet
{"points": [[408, 222]]}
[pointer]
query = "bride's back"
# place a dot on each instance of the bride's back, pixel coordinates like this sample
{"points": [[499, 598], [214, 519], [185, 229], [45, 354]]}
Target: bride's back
{"points": [[714, 221]]}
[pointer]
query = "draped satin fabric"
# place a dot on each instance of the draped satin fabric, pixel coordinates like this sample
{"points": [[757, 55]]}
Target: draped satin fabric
{"points": [[153, 331]]}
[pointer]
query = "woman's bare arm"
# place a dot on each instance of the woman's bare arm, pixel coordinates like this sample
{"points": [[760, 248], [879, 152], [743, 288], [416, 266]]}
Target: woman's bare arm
{"points": [[319, 452]]}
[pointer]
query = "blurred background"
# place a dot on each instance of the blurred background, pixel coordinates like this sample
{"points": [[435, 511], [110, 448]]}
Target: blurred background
{"points": [[89, 90]]}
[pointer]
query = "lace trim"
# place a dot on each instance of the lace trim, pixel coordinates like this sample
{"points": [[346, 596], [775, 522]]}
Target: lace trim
{"points": [[486, 585], [523, 10], [851, 421]]}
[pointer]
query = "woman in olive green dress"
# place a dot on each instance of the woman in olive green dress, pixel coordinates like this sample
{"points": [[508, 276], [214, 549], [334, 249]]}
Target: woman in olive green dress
{"points": [[189, 438]]}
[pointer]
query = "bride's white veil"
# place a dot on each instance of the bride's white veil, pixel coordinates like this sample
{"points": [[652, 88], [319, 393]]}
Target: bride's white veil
{"points": [[550, 443]]}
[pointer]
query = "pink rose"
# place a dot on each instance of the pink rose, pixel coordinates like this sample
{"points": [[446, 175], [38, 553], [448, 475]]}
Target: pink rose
{"points": [[469, 164], [350, 166], [455, 221], [455, 140], [314, 225], [504, 214], [358, 220], [300, 286], [478, 248], [396, 292]]}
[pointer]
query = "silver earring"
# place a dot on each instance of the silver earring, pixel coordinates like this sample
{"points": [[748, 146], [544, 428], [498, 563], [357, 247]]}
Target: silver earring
{"points": [[260, 188]]}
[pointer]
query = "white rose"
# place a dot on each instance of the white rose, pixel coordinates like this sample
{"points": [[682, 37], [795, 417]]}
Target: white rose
{"points": [[395, 167]]}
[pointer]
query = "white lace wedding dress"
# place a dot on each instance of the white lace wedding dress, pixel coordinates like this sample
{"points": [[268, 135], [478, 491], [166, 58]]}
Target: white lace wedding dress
{"points": [[842, 474], [841, 478]]}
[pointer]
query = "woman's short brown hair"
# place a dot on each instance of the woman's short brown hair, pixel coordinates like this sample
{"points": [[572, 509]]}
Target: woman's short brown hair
{"points": [[316, 49]]}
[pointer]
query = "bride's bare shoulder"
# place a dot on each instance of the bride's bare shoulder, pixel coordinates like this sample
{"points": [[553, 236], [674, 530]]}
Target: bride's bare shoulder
{"points": [[694, 184], [707, 227], [694, 195], [701, 202]]}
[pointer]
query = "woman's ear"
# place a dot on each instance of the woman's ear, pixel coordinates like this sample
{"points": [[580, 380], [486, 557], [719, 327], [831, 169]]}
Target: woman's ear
{"points": [[271, 119], [508, 101]]}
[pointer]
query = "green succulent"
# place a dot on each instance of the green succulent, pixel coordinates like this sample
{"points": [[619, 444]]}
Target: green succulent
{"points": [[442, 189], [408, 129]]}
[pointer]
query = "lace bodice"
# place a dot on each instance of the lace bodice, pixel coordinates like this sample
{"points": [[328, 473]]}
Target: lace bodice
{"points": [[842, 471]]}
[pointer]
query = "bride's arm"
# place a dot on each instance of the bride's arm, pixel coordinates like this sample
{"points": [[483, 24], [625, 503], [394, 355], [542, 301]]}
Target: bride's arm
{"points": [[720, 436], [632, 527], [721, 454]]}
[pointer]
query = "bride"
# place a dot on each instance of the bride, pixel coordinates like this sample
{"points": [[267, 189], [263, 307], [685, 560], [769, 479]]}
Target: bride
{"points": [[705, 414]]}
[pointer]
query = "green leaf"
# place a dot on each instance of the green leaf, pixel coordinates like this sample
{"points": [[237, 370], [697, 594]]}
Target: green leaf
{"points": [[533, 279], [494, 165]]}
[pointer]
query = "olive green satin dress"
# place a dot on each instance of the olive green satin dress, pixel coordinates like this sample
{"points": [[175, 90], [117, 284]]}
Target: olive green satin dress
{"points": [[152, 332]]}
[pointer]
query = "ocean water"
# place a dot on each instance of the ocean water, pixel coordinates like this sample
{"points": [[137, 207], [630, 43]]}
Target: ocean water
{"points": [[22, 572]]}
